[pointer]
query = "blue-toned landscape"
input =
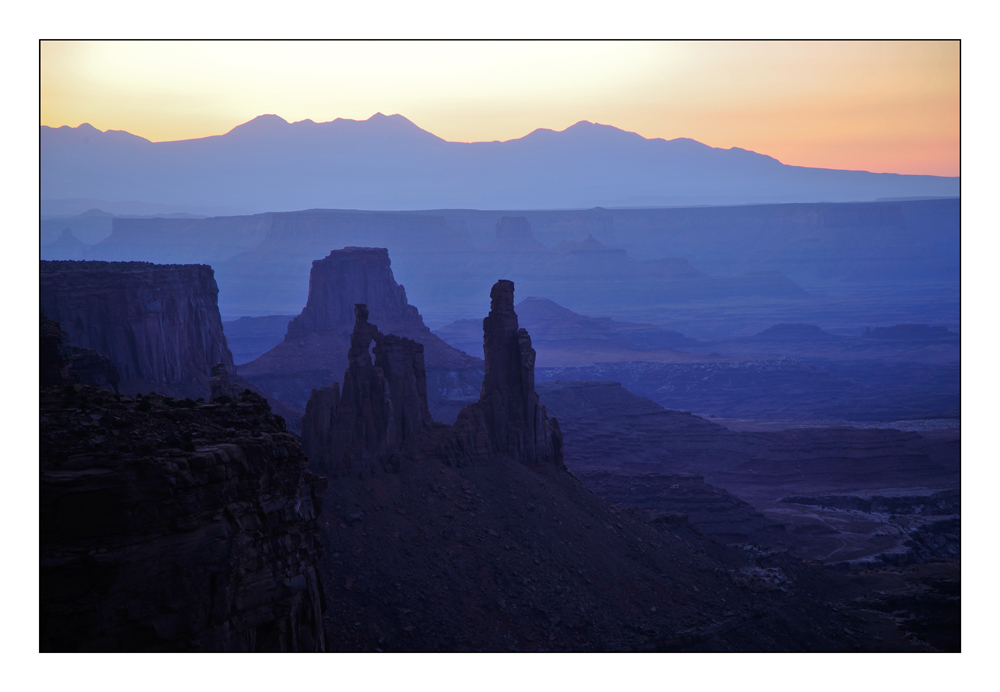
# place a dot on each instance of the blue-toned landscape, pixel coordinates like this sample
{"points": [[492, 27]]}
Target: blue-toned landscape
{"points": [[351, 386]]}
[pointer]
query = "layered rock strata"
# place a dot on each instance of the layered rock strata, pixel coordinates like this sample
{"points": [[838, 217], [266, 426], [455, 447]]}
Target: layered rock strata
{"points": [[168, 525], [623, 446], [158, 324], [313, 353]]}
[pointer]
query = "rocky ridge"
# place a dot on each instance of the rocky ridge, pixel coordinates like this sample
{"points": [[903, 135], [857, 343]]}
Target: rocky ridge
{"points": [[171, 525]]}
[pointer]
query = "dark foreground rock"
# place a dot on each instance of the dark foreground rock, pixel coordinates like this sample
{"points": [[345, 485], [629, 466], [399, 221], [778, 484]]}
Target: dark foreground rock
{"points": [[718, 514], [168, 525], [61, 363]]}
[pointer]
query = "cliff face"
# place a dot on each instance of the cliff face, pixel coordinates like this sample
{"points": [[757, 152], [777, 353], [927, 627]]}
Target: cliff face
{"points": [[514, 235], [158, 324], [313, 353], [382, 420], [170, 526], [60, 363]]}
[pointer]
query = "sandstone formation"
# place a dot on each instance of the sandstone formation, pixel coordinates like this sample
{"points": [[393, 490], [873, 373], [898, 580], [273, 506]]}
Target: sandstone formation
{"points": [[158, 324], [222, 383], [168, 525], [54, 353], [383, 408], [508, 416], [474, 537], [319, 424], [314, 351], [61, 363], [514, 235], [382, 420]]}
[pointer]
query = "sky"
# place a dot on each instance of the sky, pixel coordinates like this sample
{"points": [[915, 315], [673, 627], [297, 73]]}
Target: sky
{"points": [[881, 106]]}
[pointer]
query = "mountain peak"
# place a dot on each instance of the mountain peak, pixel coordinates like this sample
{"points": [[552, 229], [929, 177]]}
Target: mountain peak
{"points": [[262, 123], [395, 121]]}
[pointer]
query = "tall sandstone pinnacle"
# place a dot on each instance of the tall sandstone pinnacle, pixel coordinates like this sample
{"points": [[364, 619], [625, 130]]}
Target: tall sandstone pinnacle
{"points": [[314, 351], [508, 409], [381, 419], [381, 415]]}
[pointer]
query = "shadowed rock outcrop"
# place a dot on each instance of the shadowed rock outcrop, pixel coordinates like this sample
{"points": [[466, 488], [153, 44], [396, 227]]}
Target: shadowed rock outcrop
{"points": [[54, 353], [313, 353], [319, 425], [382, 419], [381, 416], [508, 417], [60, 363], [158, 324], [222, 382], [173, 526]]}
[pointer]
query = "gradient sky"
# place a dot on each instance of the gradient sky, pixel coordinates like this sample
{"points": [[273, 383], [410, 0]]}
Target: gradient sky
{"points": [[877, 106]]}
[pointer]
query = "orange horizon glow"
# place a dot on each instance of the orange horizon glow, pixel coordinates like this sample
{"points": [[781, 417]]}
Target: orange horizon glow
{"points": [[880, 106]]}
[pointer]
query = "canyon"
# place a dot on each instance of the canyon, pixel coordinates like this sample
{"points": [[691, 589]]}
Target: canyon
{"points": [[838, 494], [439, 502], [476, 537]]}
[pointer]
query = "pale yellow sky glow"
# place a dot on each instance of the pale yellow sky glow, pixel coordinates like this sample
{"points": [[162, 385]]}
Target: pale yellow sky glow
{"points": [[878, 106]]}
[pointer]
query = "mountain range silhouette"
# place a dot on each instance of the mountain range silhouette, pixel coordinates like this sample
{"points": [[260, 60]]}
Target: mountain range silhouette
{"points": [[388, 162]]}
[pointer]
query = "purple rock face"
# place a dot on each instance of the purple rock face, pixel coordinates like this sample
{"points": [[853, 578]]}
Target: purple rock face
{"points": [[345, 278], [508, 407], [318, 427], [55, 353], [314, 351], [382, 414], [199, 534], [382, 421], [61, 363], [514, 235], [158, 324]]}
